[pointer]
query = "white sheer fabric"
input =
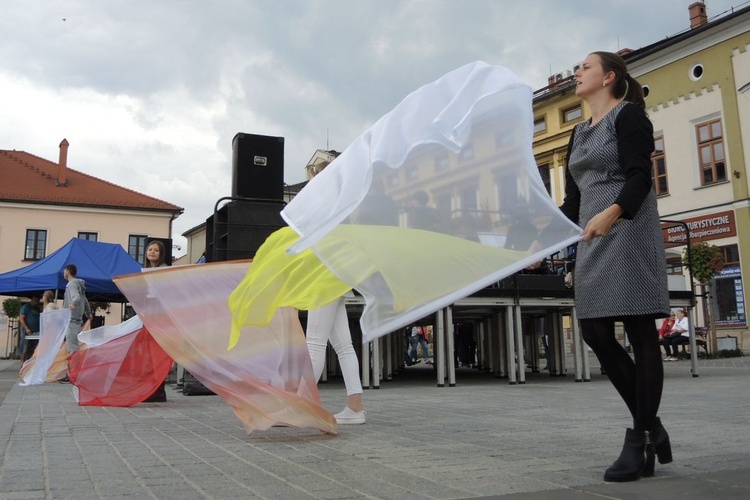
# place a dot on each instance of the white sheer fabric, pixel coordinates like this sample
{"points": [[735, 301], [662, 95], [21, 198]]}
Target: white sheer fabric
{"points": [[438, 199], [104, 334], [52, 329]]}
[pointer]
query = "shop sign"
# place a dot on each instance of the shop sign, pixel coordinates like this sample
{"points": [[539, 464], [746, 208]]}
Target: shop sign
{"points": [[704, 228]]}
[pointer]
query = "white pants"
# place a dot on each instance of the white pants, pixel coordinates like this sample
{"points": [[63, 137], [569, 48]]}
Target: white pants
{"points": [[331, 323]]}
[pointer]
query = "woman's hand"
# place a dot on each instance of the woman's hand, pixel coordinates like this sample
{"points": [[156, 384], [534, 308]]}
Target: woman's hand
{"points": [[602, 223], [534, 248]]}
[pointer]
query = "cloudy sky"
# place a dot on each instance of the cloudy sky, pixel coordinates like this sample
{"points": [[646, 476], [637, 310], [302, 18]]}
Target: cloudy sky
{"points": [[149, 93]]}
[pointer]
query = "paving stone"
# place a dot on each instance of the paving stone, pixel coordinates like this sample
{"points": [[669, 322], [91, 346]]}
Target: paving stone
{"points": [[550, 438]]}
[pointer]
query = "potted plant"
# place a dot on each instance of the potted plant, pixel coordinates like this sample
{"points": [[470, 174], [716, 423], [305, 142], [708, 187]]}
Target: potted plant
{"points": [[11, 308]]}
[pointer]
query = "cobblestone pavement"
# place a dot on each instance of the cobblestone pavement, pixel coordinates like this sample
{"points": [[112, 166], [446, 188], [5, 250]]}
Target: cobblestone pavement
{"points": [[549, 438]]}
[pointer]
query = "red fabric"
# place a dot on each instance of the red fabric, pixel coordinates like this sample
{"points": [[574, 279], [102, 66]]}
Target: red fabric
{"points": [[121, 372]]}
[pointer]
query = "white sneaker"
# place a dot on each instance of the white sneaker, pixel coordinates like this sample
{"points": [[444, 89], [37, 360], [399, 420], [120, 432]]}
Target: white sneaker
{"points": [[350, 417]]}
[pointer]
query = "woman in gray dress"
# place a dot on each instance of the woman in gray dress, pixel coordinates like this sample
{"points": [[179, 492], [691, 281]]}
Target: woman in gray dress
{"points": [[620, 268]]}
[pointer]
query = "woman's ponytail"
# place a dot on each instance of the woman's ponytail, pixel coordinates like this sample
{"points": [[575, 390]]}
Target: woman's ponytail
{"points": [[634, 92]]}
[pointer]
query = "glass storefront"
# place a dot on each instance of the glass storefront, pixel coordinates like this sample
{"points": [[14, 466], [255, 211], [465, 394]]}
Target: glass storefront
{"points": [[729, 296]]}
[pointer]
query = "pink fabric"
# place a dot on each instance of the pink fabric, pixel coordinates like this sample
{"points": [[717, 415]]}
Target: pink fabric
{"points": [[267, 378]]}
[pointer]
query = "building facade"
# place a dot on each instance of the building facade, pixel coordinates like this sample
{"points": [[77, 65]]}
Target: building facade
{"points": [[697, 87], [44, 204]]}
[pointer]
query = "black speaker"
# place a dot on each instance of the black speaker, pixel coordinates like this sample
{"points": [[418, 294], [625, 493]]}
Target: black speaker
{"points": [[240, 227], [167, 242], [258, 166]]}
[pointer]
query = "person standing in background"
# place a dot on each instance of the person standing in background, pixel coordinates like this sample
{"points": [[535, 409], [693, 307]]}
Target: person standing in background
{"points": [[155, 257], [29, 319], [48, 301], [419, 337], [75, 300]]}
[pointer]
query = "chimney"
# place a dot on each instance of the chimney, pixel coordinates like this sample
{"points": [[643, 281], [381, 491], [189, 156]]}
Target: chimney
{"points": [[624, 52], [62, 165], [698, 15]]}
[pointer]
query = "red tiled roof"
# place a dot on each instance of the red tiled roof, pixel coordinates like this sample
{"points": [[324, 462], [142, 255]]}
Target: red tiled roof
{"points": [[26, 178]]}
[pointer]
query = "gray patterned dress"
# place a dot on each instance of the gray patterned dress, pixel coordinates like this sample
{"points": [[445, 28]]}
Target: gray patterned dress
{"points": [[623, 273]]}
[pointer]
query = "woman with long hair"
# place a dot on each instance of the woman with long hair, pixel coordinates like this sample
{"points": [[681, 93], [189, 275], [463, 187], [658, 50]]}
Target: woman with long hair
{"points": [[48, 301], [155, 257], [155, 254], [620, 269]]}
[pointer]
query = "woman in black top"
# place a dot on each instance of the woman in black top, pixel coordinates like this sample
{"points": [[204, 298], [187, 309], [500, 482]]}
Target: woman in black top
{"points": [[620, 265]]}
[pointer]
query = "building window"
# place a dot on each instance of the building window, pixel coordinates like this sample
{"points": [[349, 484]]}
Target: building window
{"points": [[674, 266], [137, 247], [469, 203], [443, 204], [696, 72], [659, 168], [572, 114], [441, 163], [83, 235], [507, 193], [412, 173], [711, 152], [36, 244], [540, 125], [504, 141], [544, 174], [467, 153], [729, 300]]}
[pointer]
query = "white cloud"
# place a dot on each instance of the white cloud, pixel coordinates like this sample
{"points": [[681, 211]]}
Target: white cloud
{"points": [[150, 94]]}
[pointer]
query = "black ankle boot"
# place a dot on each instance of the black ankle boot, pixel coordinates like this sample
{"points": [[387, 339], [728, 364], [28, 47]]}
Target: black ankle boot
{"points": [[660, 438], [636, 458]]}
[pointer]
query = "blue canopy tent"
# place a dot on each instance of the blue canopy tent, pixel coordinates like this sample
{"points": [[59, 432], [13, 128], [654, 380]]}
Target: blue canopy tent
{"points": [[97, 264]]}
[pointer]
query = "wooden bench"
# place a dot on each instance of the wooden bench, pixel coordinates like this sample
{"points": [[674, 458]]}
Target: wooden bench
{"points": [[701, 334]]}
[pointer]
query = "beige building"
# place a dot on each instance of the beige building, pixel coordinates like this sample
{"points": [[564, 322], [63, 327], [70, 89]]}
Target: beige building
{"points": [[43, 204], [196, 245], [697, 86]]}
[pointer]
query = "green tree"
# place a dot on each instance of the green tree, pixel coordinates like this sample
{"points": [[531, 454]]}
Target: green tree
{"points": [[12, 307], [706, 260]]}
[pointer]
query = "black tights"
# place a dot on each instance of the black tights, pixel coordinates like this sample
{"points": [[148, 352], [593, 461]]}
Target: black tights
{"points": [[639, 382]]}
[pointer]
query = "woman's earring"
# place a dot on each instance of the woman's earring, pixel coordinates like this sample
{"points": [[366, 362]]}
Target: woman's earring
{"points": [[604, 84]]}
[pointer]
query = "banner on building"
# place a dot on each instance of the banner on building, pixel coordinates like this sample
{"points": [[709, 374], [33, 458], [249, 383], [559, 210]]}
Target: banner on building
{"points": [[703, 228]]}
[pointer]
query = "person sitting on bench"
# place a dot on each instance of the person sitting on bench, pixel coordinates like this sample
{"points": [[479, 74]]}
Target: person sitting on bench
{"points": [[666, 329], [679, 335]]}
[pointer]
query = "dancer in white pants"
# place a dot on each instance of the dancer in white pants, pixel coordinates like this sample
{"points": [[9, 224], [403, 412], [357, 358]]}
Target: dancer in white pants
{"points": [[330, 322]]}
